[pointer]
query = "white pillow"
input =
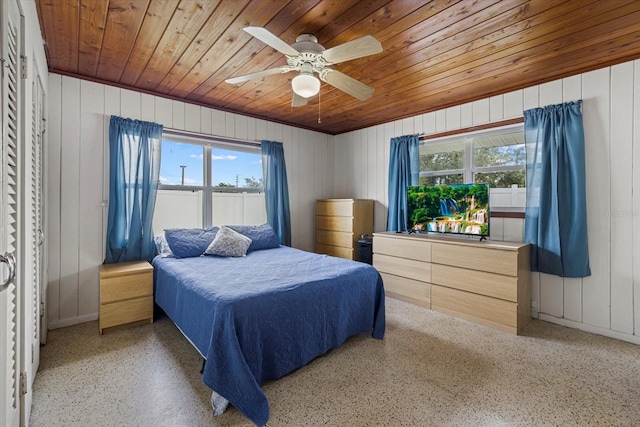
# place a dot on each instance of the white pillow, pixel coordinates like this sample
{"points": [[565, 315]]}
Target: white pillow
{"points": [[162, 247], [229, 243]]}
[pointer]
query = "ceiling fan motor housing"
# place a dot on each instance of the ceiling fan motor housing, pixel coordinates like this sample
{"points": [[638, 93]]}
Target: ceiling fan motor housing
{"points": [[309, 52], [307, 43]]}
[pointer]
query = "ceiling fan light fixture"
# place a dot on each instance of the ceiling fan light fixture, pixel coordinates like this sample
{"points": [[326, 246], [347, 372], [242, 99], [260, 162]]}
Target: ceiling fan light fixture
{"points": [[306, 85]]}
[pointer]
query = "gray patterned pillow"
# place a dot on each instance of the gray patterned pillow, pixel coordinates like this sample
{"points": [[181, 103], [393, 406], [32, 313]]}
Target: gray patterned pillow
{"points": [[229, 243]]}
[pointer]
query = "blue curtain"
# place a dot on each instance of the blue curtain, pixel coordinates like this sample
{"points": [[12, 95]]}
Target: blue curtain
{"points": [[134, 167], [404, 170], [276, 190], [556, 214]]}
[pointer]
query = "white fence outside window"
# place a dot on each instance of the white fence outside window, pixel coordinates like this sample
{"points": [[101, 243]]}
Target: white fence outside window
{"points": [[513, 197], [183, 209]]}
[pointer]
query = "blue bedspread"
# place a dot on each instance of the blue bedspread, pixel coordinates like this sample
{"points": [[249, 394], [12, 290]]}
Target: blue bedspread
{"points": [[262, 316]]}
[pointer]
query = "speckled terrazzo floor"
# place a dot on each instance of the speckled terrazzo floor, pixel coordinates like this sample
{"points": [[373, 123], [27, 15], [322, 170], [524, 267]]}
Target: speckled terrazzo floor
{"points": [[430, 370]]}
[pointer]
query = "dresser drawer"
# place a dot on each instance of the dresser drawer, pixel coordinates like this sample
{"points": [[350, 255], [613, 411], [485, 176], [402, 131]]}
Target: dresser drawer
{"points": [[334, 223], [133, 310], [478, 308], [403, 248], [476, 258], [126, 287], [407, 289], [337, 251], [409, 268], [335, 238], [334, 207], [479, 282]]}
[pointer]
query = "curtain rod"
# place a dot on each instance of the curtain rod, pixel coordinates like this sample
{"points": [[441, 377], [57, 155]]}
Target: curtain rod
{"points": [[213, 138], [485, 126]]}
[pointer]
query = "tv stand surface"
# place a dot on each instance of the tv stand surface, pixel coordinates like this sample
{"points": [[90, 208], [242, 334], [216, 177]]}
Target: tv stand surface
{"points": [[485, 282]]}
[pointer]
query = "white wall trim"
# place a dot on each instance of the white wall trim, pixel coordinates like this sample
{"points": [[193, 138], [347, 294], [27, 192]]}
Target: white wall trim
{"points": [[634, 339]]}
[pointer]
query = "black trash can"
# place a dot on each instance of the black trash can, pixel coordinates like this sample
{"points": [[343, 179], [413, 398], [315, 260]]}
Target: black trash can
{"points": [[365, 250]]}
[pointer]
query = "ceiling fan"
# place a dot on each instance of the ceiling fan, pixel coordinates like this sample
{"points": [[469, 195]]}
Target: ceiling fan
{"points": [[307, 56]]}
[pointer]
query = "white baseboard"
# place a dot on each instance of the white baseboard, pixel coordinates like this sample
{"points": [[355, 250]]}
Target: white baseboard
{"points": [[62, 323], [634, 339]]}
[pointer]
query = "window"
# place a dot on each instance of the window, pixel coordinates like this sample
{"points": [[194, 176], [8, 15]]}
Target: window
{"points": [[234, 169], [499, 159], [205, 182], [181, 164], [442, 162], [495, 156]]}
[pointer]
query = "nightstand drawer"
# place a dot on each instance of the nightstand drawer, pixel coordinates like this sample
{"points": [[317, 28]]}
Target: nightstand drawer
{"points": [[118, 313], [126, 287]]}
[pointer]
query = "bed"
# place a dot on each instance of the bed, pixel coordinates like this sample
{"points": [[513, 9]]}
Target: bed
{"points": [[261, 316]]}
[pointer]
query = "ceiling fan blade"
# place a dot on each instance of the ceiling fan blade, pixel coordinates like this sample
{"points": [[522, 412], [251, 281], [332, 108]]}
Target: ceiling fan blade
{"points": [[358, 48], [298, 101], [268, 38], [259, 74], [347, 84]]}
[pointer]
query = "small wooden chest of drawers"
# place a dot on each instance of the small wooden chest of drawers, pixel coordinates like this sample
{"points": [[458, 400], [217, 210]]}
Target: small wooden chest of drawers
{"points": [[126, 293], [339, 225]]}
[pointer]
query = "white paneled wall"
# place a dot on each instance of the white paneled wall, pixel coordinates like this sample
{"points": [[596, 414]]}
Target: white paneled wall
{"points": [[78, 185], [607, 302], [356, 164]]}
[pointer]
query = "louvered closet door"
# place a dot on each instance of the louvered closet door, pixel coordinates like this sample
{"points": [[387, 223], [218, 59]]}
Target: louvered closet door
{"points": [[32, 255], [9, 330], [40, 284]]}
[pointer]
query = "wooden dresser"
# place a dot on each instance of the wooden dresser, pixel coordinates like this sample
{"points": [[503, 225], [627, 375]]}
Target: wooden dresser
{"points": [[126, 293], [484, 282], [339, 225]]}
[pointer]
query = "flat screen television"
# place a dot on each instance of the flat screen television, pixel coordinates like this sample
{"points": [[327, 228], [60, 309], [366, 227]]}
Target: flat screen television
{"points": [[456, 209]]}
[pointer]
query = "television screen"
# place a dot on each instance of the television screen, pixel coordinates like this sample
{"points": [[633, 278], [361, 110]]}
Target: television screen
{"points": [[457, 209]]}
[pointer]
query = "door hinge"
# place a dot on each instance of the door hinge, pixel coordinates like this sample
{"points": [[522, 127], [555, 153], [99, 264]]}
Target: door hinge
{"points": [[42, 309], [23, 382], [24, 65]]}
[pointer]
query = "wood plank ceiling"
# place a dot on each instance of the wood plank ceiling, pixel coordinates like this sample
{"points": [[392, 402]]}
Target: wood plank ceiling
{"points": [[436, 53]]}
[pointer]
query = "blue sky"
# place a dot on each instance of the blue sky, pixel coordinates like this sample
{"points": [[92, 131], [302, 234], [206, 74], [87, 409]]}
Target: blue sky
{"points": [[226, 164]]}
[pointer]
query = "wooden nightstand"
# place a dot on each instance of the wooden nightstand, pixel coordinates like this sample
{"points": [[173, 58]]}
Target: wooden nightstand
{"points": [[126, 293]]}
